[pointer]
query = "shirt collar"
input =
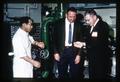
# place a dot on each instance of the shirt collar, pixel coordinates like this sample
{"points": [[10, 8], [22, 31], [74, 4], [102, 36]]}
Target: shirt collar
{"points": [[96, 22], [67, 22]]}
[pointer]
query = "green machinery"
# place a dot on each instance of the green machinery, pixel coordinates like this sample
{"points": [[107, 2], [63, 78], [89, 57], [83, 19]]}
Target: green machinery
{"points": [[47, 24], [46, 36]]}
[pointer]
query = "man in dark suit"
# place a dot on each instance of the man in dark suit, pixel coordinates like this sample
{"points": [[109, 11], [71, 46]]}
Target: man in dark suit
{"points": [[97, 45], [68, 58]]}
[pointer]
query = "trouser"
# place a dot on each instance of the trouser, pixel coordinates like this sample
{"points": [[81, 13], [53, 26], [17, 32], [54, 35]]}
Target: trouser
{"points": [[99, 68], [67, 59]]}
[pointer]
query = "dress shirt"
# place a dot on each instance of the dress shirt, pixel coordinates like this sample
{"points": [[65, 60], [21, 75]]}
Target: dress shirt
{"points": [[67, 32], [94, 25]]}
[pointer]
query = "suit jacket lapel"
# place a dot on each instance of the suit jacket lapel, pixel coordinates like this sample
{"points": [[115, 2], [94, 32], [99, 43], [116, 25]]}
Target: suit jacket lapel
{"points": [[63, 32], [95, 27], [74, 31]]}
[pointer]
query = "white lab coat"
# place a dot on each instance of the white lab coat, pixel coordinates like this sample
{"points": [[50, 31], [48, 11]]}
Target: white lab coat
{"points": [[22, 47]]}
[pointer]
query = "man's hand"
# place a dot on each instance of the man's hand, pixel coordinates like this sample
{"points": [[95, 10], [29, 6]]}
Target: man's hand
{"points": [[33, 62], [77, 59], [78, 44], [36, 64], [40, 44], [57, 57]]}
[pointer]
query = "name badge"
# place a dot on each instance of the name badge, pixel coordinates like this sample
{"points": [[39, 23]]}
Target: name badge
{"points": [[94, 34]]}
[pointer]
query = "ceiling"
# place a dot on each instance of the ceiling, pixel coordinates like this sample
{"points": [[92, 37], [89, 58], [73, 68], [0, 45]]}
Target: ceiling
{"points": [[93, 5]]}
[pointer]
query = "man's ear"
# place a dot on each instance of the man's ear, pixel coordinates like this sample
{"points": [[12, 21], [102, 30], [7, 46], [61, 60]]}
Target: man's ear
{"points": [[66, 15], [23, 24], [94, 16]]}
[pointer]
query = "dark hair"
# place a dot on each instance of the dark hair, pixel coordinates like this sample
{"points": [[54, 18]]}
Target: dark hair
{"points": [[80, 17], [71, 9], [91, 12], [99, 17], [25, 20]]}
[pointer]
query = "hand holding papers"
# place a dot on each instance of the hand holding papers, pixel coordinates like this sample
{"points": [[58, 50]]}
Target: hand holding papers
{"points": [[79, 44]]}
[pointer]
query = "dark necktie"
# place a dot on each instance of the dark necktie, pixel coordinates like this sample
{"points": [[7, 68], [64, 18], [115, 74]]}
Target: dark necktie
{"points": [[70, 33]]}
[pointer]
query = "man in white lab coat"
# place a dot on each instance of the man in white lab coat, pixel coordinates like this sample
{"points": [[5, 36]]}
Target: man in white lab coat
{"points": [[22, 61]]}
